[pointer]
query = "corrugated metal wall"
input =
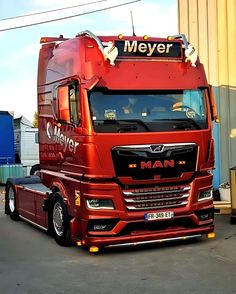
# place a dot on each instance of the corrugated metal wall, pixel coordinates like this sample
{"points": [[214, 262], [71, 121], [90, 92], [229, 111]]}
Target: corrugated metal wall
{"points": [[210, 26]]}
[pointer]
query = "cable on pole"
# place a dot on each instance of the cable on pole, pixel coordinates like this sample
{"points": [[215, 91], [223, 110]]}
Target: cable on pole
{"points": [[67, 17], [49, 11]]}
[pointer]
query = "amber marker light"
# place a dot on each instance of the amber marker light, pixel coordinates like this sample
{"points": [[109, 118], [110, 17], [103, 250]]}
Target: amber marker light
{"points": [[120, 36], [93, 249], [182, 162], [169, 38], [132, 165], [43, 40], [145, 37], [211, 235]]}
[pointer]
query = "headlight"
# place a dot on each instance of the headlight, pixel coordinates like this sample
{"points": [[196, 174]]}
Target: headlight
{"points": [[204, 195], [100, 204]]}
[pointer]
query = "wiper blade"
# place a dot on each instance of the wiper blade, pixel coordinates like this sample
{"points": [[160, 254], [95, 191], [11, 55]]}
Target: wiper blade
{"points": [[185, 123], [181, 123], [126, 128], [138, 121]]}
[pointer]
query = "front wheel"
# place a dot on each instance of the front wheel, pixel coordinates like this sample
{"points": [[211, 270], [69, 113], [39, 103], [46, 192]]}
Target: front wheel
{"points": [[60, 221], [10, 203]]}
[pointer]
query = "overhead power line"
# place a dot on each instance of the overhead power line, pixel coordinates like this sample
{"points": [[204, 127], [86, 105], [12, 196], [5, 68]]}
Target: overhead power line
{"points": [[67, 17], [52, 10]]}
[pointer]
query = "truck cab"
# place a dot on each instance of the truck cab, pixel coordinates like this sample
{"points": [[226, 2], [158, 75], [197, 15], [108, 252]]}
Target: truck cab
{"points": [[125, 142]]}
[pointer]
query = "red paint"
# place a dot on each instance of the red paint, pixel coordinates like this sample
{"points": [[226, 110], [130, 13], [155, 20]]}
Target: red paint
{"points": [[76, 158]]}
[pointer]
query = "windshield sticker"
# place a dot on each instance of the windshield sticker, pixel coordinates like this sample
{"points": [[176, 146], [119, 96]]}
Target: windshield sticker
{"points": [[190, 113], [110, 114]]}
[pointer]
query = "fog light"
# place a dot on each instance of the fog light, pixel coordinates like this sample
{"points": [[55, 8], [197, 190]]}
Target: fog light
{"points": [[205, 214], [101, 227], [204, 195], [204, 217], [102, 224], [100, 204]]}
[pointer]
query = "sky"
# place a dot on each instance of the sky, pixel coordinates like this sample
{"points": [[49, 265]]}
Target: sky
{"points": [[19, 48]]}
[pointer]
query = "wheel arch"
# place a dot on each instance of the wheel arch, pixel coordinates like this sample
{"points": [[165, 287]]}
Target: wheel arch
{"points": [[58, 186]]}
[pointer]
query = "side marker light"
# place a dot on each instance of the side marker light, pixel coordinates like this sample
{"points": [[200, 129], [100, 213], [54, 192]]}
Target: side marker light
{"points": [[211, 235], [93, 249]]}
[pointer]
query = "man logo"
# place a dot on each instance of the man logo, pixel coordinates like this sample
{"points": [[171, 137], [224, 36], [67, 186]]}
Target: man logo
{"points": [[157, 148]]}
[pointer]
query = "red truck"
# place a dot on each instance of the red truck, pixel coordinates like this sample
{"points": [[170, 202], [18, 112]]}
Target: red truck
{"points": [[125, 142]]}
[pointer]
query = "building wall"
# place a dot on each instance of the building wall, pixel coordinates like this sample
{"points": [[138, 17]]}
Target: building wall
{"points": [[210, 25]]}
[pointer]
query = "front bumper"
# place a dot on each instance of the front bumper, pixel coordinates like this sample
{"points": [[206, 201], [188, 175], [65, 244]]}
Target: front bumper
{"points": [[133, 232], [147, 238]]}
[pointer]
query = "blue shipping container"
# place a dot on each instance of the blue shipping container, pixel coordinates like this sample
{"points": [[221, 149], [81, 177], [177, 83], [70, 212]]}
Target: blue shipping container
{"points": [[7, 155]]}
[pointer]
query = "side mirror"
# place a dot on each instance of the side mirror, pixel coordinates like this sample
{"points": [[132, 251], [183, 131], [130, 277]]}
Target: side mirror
{"points": [[63, 103], [213, 105]]}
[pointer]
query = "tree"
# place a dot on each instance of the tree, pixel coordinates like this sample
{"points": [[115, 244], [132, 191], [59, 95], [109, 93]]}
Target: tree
{"points": [[35, 120]]}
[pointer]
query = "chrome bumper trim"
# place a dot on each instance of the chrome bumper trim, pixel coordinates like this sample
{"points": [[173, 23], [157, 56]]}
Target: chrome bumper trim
{"points": [[153, 241]]}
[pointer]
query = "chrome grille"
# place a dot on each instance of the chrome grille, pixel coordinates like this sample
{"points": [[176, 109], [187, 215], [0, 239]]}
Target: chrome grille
{"points": [[156, 198]]}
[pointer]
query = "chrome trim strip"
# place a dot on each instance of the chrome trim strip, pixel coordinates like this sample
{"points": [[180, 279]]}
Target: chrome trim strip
{"points": [[148, 146], [156, 207], [153, 241], [130, 194], [32, 223], [155, 200]]}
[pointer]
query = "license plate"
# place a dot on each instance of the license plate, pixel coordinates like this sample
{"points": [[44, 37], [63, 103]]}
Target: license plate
{"points": [[158, 215]]}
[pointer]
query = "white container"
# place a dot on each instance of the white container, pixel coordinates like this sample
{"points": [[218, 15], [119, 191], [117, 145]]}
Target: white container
{"points": [[225, 194]]}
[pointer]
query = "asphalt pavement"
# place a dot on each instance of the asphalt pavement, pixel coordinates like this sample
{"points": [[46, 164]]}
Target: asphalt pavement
{"points": [[31, 262]]}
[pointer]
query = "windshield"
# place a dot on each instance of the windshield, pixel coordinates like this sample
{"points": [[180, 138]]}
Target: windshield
{"points": [[147, 111]]}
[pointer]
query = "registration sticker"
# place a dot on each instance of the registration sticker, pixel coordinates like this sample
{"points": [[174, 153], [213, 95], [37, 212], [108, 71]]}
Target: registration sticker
{"points": [[158, 215]]}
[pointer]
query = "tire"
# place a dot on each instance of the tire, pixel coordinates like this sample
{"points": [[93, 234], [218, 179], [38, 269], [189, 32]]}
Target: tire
{"points": [[10, 204], [59, 221], [35, 170]]}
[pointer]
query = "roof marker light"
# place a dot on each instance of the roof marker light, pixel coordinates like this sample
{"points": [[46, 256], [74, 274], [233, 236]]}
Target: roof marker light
{"points": [[145, 37], [120, 36]]}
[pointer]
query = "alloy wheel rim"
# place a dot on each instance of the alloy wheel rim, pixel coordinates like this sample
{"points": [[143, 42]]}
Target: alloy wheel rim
{"points": [[58, 220], [11, 197]]}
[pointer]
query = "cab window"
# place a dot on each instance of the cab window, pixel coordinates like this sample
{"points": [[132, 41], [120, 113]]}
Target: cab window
{"points": [[68, 106]]}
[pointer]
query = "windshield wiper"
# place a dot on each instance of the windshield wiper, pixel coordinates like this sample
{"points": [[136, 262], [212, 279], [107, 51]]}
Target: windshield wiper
{"points": [[138, 121], [186, 123], [128, 127], [181, 123]]}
